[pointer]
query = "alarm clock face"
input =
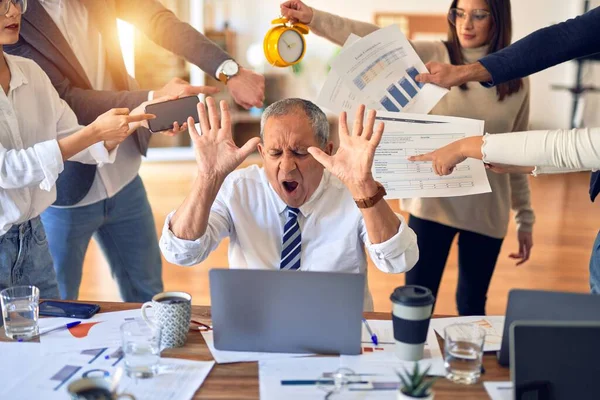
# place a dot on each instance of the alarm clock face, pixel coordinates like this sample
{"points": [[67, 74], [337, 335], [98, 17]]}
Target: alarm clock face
{"points": [[290, 46]]}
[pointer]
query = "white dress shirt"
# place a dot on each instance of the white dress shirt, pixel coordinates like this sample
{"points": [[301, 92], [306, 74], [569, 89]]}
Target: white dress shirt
{"points": [[71, 17], [334, 236], [32, 117]]}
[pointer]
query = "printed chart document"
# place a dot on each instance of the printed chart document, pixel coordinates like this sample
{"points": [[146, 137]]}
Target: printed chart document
{"points": [[499, 390], [225, 357], [379, 71], [383, 354], [492, 325], [16, 360], [374, 372], [412, 134], [336, 96], [310, 378], [102, 330], [177, 380]]}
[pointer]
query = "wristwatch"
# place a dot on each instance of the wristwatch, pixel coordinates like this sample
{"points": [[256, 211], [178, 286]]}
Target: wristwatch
{"points": [[371, 201], [229, 69]]}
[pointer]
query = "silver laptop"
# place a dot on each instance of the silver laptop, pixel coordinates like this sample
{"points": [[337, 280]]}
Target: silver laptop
{"points": [[538, 305], [554, 360], [287, 311]]}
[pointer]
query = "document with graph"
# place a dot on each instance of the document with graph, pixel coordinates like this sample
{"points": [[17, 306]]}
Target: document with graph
{"points": [[411, 134], [382, 67]]}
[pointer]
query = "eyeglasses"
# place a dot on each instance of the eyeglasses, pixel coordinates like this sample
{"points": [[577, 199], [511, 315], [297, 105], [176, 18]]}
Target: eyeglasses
{"points": [[21, 5], [477, 16]]}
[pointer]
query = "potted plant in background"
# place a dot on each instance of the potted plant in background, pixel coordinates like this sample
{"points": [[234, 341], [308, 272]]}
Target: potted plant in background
{"points": [[415, 384]]}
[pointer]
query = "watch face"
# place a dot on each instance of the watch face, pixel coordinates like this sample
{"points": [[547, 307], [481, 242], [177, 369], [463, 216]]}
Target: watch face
{"points": [[290, 46], [230, 68]]}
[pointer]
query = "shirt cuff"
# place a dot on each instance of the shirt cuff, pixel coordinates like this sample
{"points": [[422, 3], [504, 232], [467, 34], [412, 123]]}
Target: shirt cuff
{"points": [[394, 246], [101, 155], [220, 68], [180, 251], [51, 162]]}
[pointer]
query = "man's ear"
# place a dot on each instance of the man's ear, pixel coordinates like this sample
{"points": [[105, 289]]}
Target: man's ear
{"points": [[328, 148], [261, 150]]}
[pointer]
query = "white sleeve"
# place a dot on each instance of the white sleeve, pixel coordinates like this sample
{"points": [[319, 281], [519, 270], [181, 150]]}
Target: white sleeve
{"points": [[39, 164], [66, 124], [190, 252], [562, 149], [398, 254]]}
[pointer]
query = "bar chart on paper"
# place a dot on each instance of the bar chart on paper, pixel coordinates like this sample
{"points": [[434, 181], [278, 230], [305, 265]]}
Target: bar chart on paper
{"points": [[379, 70]]}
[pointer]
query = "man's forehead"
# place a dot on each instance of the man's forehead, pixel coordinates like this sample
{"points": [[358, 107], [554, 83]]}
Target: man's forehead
{"points": [[290, 129]]}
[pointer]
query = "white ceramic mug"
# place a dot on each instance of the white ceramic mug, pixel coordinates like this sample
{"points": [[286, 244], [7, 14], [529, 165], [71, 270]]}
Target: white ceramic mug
{"points": [[172, 312]]}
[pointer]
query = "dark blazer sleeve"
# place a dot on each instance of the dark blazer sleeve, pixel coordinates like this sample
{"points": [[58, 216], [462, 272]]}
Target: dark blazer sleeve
{"points": [[169, 32], [546, 47], [87, 104]]}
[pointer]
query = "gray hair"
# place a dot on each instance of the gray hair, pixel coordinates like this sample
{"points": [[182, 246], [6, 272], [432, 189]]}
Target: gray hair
{"points": [[317, 117]]}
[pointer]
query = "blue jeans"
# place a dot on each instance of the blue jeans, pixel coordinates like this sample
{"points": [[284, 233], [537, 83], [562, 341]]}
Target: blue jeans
{"points": [[124, 227], [25, 259], [595, 267]]}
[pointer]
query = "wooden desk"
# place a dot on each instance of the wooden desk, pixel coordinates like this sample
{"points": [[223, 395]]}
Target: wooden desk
{"points": [[240, 381]]}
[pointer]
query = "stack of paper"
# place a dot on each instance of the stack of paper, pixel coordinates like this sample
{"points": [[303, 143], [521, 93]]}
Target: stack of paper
{"points": [[373, 372], [379, 71], [225, 357], [90, 349]]}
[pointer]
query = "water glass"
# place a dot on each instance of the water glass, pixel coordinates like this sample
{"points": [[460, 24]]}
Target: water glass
{"points": [[141, 347], [463, 352], [20, 311]]}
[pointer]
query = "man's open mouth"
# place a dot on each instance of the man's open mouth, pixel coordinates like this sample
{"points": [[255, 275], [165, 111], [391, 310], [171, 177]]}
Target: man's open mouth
{"points": [[290, 186]]}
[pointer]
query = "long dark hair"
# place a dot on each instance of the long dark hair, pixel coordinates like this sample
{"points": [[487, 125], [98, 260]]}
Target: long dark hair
{"points": [[501, 34]]}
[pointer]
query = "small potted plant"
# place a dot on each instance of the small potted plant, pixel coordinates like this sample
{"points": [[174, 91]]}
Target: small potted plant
{"points": [[415, 385]]}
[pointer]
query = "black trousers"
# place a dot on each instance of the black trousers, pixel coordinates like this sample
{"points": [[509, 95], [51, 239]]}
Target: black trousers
{"points": [[477, 256]]}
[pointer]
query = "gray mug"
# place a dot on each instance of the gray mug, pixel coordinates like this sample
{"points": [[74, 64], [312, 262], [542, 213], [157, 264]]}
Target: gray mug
{"points": [[94, 389], [172, 313]]}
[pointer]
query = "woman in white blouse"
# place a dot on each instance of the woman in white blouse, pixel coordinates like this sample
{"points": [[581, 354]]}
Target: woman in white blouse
{"points": [[38, 132]]}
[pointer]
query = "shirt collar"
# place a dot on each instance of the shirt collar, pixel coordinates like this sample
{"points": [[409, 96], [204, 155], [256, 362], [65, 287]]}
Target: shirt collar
{"points": [[17, 77], [306, 208]]}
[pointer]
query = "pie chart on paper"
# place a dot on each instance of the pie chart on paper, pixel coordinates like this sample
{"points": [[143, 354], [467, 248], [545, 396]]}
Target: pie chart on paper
{"points": [[82, 330]]}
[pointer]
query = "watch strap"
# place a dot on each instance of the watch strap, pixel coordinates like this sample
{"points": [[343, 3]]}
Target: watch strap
{"points": [[369, 202]]}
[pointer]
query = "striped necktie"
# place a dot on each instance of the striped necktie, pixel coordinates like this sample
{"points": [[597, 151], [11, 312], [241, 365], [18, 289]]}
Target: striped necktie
{"points": [[292, 240]]}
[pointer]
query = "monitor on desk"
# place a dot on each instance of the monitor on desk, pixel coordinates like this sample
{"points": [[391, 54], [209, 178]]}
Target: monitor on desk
{"points": [[554, 360], [539, 305], [287, 311]]}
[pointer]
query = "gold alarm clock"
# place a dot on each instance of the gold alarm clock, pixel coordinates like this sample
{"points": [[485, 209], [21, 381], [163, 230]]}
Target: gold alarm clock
{"points": [[284, 44]]}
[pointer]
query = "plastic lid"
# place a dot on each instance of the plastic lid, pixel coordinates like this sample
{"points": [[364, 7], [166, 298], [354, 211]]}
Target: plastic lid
{"points": [[412, 295]]}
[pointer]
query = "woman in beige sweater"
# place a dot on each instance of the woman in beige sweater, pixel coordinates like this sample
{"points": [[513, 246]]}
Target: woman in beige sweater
{"points": [[477, 27]]}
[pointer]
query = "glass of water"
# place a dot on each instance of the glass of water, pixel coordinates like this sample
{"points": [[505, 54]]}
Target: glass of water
{"points": [[20, 311], [463, 352], [141, 347]]}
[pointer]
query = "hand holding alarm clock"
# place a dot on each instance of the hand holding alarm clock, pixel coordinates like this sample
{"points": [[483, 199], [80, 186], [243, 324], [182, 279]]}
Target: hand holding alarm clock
{"points": [[284, 44]]}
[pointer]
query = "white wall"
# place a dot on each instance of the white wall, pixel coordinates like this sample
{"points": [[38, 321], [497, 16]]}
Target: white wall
{"points": [[549, 108]]}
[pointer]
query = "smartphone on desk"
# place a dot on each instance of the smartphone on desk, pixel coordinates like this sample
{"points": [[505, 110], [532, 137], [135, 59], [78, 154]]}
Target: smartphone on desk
{"points": [[167, 112], [50, 308]]}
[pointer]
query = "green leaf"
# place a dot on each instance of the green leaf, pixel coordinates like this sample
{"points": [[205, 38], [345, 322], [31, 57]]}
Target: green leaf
{"points": [[404, 380], [424, 388]]}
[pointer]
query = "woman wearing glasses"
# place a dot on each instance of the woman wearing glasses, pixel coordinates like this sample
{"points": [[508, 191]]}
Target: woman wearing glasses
{"points": [[477, 28], [38, 131]]}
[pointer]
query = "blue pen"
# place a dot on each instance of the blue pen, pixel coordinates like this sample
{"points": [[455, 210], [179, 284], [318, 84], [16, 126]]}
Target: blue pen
{"points": [[61, 326], [373, 336]]}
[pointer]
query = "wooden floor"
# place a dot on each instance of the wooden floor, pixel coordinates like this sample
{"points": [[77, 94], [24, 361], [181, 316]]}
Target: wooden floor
{"points": [[566, 226]]}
